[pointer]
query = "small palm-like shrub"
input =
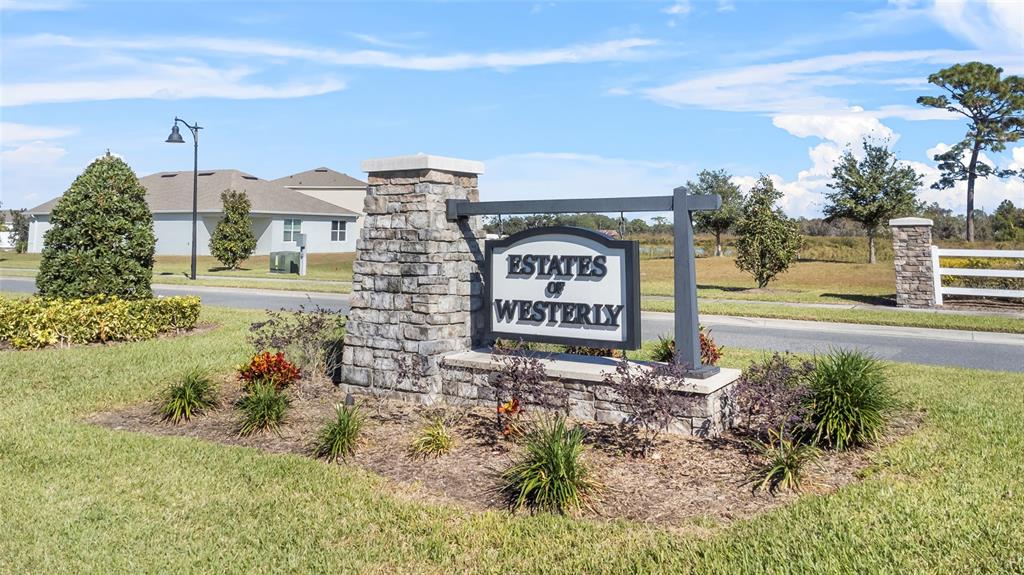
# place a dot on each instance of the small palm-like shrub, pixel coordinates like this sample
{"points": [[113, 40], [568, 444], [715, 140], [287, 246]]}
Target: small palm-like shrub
{"points": [[785, 460], [337, 440], [710, 352], [435, 440], [551, 475], [848, 399], [194, 395], [263, 408]]}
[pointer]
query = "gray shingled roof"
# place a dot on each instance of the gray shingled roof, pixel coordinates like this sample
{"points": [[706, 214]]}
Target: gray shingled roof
{"points": [[320, 178], [171, 192]]}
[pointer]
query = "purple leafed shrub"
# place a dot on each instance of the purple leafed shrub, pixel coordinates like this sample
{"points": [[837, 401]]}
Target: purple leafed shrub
{"points": [[649, 399], [772, 394], [521, 382]]}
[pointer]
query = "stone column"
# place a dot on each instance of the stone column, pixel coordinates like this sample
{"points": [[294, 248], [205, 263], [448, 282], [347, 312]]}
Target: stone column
{"points": [[416, 278], [912, 255]]}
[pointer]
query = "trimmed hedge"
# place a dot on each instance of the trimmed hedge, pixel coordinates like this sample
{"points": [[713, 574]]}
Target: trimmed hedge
{"points": [[38, 322]]}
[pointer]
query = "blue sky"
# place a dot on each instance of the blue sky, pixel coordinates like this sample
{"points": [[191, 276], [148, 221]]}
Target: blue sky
{"points": [[558, 99]]}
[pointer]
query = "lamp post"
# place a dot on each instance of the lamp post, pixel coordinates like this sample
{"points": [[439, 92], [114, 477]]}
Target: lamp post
{"points": [[175, 138]]}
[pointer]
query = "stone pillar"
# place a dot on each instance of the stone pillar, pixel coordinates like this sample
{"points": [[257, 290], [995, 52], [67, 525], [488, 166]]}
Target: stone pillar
{"points": [[416, 278], [912, 255]]}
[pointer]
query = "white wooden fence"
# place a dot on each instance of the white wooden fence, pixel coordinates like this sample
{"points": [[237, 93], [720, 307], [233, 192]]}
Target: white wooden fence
{"points": [[938, 272]]}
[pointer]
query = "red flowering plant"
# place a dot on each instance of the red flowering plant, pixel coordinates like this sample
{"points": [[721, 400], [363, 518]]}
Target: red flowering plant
{"points": [[270, 368]]}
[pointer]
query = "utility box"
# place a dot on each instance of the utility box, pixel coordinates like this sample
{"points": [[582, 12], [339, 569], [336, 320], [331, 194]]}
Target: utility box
{"points": [[284, 262]]}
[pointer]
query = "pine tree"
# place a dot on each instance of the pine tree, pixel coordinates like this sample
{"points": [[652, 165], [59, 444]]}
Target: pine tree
{"points": [[994, 108], [101, 241], [768, 240], [233, 241]]}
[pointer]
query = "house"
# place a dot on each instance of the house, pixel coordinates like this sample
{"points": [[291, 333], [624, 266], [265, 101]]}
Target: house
{"points": [[279, 213], [330, 186]]}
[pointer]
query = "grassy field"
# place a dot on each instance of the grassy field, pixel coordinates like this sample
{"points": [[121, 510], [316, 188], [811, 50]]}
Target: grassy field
{"points": [[79, 498], [716, 277], [318, 266]]}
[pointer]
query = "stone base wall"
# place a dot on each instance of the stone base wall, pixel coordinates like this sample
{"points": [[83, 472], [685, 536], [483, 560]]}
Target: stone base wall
{"points": [[589, 398], [708, 416], [912, 257]]}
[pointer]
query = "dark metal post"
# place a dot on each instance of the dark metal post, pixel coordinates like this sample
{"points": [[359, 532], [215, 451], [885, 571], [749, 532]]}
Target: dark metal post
{"points": [[175, 138], [195, 195], [687, 331]]}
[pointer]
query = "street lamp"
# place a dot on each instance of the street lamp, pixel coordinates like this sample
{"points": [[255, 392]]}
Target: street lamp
{"points": [[175, 138]]}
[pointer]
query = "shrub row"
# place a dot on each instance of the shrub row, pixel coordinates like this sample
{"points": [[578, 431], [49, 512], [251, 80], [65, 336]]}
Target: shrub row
{"points": [[38, 322]]}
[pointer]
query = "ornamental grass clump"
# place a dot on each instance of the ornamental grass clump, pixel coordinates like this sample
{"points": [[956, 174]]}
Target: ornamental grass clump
{"points": [[551, 475], [263, 407], [194, 395], [435, 440], [784, 462], [848, 399], [338, 439]]}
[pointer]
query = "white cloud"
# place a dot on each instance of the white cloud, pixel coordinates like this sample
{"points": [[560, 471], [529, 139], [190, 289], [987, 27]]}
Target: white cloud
{"points": [[12, 133], [162, 81], [680, 8], [988, 192], [843, 128], [991, 24], [726, 6], [609, 51], [797, 86], [33, 153]]}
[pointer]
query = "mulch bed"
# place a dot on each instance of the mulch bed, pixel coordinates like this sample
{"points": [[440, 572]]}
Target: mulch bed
{"points": [[684, 478]]}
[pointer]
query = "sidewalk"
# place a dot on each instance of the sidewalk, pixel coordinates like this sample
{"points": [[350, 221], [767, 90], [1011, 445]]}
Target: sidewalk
{"points": [[850, 306]]}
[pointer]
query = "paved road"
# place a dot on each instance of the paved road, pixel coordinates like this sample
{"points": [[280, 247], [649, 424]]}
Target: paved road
{"points": [[916, 345]]}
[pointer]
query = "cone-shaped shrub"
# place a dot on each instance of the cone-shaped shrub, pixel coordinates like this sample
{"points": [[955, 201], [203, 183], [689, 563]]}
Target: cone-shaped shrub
{"points": [[233, 241], [101, 242]]}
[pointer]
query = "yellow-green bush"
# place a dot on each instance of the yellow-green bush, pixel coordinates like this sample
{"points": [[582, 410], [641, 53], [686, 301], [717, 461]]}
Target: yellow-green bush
{"points": [[38, 322]]}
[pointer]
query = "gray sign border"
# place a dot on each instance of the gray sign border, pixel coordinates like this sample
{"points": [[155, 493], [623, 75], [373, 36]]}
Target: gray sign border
{"points": [[631, 255]]}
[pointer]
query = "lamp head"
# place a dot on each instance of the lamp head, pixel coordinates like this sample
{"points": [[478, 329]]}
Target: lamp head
{"points": [[175, 137]]}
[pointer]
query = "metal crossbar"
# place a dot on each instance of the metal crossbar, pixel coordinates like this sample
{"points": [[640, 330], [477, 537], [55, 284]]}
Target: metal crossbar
{"points": [[687, 331]]}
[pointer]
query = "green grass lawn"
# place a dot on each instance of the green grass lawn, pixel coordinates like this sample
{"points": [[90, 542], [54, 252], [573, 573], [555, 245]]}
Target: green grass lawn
{"points": [[78, 498]]}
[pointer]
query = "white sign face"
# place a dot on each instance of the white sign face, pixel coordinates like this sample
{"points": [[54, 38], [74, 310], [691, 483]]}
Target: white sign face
{"points": [[564, 285]]}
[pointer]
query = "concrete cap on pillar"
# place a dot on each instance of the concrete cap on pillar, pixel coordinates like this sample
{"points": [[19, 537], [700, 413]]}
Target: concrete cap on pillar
{"points": [[901, 222], [423, 162]]}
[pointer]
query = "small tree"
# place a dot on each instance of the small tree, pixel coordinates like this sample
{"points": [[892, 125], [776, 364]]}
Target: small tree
{"points": [[19, 231], [101, 242], [717, 221], [994, 108], [1008, 222], [768, 240], [871, 190], [232, 241]]}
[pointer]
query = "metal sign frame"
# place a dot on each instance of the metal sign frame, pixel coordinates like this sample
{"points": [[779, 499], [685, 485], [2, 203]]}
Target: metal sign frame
{"points": [[687, 327], [631, 257]]}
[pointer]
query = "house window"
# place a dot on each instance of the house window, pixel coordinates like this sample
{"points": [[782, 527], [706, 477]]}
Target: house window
{"points": [[292, 229], [337, 230]]}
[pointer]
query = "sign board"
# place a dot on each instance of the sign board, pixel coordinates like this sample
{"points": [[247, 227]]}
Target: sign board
{"points": [[564, 285]]}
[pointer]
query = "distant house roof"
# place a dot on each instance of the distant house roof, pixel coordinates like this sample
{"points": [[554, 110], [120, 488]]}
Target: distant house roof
{"points": [[320, 178], [171, 192]]}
